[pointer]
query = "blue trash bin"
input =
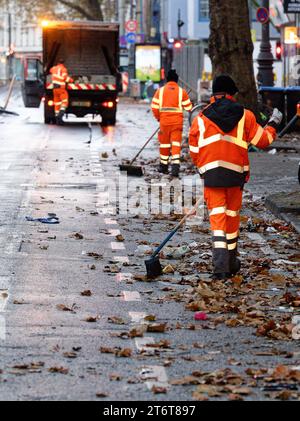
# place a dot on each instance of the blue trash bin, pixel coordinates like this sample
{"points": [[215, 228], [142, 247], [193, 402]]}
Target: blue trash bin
{"points": [[274, 97]]}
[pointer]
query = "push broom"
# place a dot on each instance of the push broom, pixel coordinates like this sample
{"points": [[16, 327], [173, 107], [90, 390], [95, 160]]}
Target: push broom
{"points": [[134, 170], [153, 266]]}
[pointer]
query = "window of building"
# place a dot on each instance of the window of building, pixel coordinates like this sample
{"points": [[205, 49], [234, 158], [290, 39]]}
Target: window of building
{"points": [[204, 9]]}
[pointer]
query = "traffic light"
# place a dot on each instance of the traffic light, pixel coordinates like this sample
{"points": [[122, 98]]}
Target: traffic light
{"points": [[178, 44], [279, 50]]}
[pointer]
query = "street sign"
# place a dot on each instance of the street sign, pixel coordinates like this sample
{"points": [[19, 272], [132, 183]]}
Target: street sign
{"points": [[292, 6], [131, 38], [131, 25], [263, 15]]}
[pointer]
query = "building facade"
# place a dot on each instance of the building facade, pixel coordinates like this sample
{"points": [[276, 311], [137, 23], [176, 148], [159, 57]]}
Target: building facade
{"points": [[195, 15]]}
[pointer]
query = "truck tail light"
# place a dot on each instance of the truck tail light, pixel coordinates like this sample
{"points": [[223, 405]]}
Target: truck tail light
{"points": [[108, 104]]}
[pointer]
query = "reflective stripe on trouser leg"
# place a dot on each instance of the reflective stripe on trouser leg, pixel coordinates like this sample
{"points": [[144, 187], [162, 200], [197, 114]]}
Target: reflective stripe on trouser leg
{"points": [[176, 140], [217, 205], [234, 205], [165, 145]]}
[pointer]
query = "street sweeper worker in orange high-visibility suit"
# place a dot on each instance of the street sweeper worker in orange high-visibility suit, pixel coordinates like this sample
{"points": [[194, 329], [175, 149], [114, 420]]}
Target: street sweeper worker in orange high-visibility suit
{"points": [[168, 106], [60, 78], [219, 140]]}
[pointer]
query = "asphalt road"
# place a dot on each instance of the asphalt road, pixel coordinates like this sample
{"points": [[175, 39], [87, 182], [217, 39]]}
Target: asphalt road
{"points": [[78, 321]]}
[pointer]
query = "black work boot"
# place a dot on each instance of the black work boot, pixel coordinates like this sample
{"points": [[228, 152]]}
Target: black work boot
{"points": [[220, 276], [59, 118], [163, 169], [175, 170], [234, 263]]}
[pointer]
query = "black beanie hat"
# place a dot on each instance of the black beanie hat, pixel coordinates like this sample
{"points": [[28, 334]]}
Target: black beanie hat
{"points": [[224, 84], [172, 76]]}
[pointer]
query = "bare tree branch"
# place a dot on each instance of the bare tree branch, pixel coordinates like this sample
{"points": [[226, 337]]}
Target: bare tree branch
{"points": [[79, 9]]}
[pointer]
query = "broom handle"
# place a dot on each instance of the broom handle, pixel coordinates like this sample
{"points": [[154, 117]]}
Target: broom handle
{"points": [[149, 140], [181, 223], [291, 123], [146, 144]]}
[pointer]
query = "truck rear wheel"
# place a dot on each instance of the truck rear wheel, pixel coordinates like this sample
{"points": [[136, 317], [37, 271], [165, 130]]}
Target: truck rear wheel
{"points": [[49, 116], [109, 119]]}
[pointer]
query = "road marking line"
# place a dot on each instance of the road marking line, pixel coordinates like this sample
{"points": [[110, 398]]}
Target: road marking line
{"points": [[3, 300], [157, 376], [109, 221], [131, 296], [121, 259], [123, 277], [138, 317], [114, 233], [117, 246], [141, 344]]}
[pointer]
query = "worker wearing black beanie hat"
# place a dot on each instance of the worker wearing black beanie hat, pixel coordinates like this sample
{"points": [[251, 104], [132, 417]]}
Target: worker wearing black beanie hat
{"points": [[219, 140]]}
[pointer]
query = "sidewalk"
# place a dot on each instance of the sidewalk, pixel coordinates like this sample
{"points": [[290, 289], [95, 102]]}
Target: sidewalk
{"points": [[286, 206]]}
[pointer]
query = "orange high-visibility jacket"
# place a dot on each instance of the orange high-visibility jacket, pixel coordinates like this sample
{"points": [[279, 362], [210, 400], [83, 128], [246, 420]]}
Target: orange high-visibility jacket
{"points": [[60, 75], [169, 103], [222, 157]]}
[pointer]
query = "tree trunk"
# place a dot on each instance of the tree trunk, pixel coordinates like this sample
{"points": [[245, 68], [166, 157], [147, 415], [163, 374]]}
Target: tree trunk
{"points": [[231, 46]]}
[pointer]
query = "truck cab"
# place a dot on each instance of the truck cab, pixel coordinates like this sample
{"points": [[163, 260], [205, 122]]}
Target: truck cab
{"points": [[90, 51]]}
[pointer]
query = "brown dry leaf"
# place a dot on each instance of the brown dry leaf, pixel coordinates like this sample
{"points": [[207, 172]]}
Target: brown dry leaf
{"points": [[86, 293], [120, 238], [168, 270], [279, 279], [19, 303], [59, 370], [92, 319], [194, 306], [95, 256], [233, 397], [116, 321], [210, 390], [158, 390], [161, 344], [284, 395], [150, 318], [237, 281], [245, 391], [105, 350], [115, 377], [138, 332], [124, 353], [77, 236], [266, 328], [185, 381], [157, 328], [102, 395], [233, 323], [206, 292], [62, 307], [31, 367], [70, 355], [141, 278], [200, 397]]}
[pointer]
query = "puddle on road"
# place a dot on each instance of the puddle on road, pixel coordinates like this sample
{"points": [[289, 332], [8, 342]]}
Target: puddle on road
{"points": [[3, 299]]}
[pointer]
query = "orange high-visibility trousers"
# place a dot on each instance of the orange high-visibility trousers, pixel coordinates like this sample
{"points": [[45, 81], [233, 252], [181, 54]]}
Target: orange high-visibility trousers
{"points": [[170, 139], [224, 205], [61, 100]]}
